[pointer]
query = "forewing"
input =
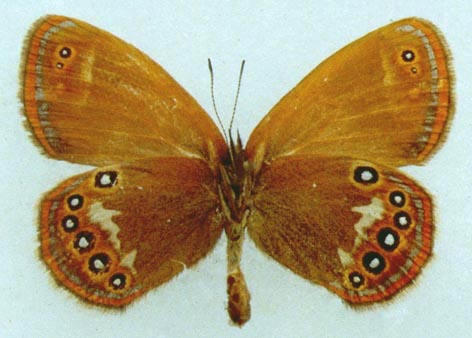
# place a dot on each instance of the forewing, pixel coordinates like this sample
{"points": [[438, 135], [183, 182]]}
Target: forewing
{"points": [[385, 97], [360, 229], [114, 233], [92, 98]]}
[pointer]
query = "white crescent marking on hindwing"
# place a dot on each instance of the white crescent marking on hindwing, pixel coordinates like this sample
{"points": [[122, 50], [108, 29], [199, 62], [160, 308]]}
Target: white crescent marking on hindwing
{"points": [[103, 217], [128, 260], [370, 214]]}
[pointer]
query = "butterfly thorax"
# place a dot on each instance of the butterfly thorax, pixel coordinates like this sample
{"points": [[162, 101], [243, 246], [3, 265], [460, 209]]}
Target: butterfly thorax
{"points": [[236, 182]]}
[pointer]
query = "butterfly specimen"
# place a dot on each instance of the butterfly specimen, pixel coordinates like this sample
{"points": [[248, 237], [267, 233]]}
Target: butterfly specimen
{"points": [[316, 187]]}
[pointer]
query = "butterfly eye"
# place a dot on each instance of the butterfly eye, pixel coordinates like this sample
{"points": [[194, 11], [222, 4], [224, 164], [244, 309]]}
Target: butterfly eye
{"points": [[373, 262], [356, 279], [65, 52], [99, 263], [366, 175], [70, 223], [408, 55], [118, 281], [84, 241], [388, 239], [106, 179], [402, 220], [397, 199]]}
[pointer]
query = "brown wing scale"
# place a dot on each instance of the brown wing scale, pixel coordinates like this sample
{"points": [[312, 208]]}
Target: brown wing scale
{"points": [[92, 98], [360, 229], [386, 97], [112, 234]]}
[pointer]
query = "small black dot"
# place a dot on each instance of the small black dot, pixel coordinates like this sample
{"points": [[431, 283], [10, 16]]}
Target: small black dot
{"points": [[388, 239], [75, 202], [402, 220], [397, 199], [106, 179], [373, 262], [356, 279], [84, 241], [99, 263], [117, 281], [70, 223], [408, 55], [65, 52], [366, 175]]}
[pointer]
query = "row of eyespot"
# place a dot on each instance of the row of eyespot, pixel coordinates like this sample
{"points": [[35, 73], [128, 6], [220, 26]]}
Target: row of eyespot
{"points": [[85, 240], [387, 238], [64, 53]]}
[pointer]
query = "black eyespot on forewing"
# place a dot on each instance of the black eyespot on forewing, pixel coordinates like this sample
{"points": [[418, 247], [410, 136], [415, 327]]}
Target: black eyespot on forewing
{"points": [[65, 52], [408, 55], [373, 262], [366, 175]]}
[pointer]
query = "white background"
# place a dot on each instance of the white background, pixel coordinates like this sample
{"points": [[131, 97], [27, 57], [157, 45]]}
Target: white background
{"points": [[281, 43]]}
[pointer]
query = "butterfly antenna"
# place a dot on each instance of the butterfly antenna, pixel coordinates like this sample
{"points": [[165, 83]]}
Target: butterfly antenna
{"points": [[212, 79], [237, 97]]}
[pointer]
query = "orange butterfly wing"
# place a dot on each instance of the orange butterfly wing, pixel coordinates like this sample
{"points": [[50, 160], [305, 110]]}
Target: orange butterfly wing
{"points": [[92, 98], [381, 102], [360, 229], [114, 233], [386, 96]]}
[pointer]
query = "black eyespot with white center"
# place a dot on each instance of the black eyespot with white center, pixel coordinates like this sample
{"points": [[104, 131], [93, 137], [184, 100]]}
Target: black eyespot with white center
{"points": [[59, 65], [408, 55], [65, 52], [366, 175], [373, 262], [75, 202], [70, 223], [402, 220], [84, 241], [388, 239], [106, 179], [397, 199], [99, 263], [117, 281], [356, 279]]}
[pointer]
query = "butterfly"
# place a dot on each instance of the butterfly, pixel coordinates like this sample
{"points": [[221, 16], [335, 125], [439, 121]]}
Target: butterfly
{"points": [[316, 187]]}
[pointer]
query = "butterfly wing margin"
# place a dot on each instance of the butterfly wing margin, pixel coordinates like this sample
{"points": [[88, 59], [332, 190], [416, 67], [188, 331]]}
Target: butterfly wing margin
{"points": [[386, 97], [114, 233], [360, 229], [91, 98]]}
